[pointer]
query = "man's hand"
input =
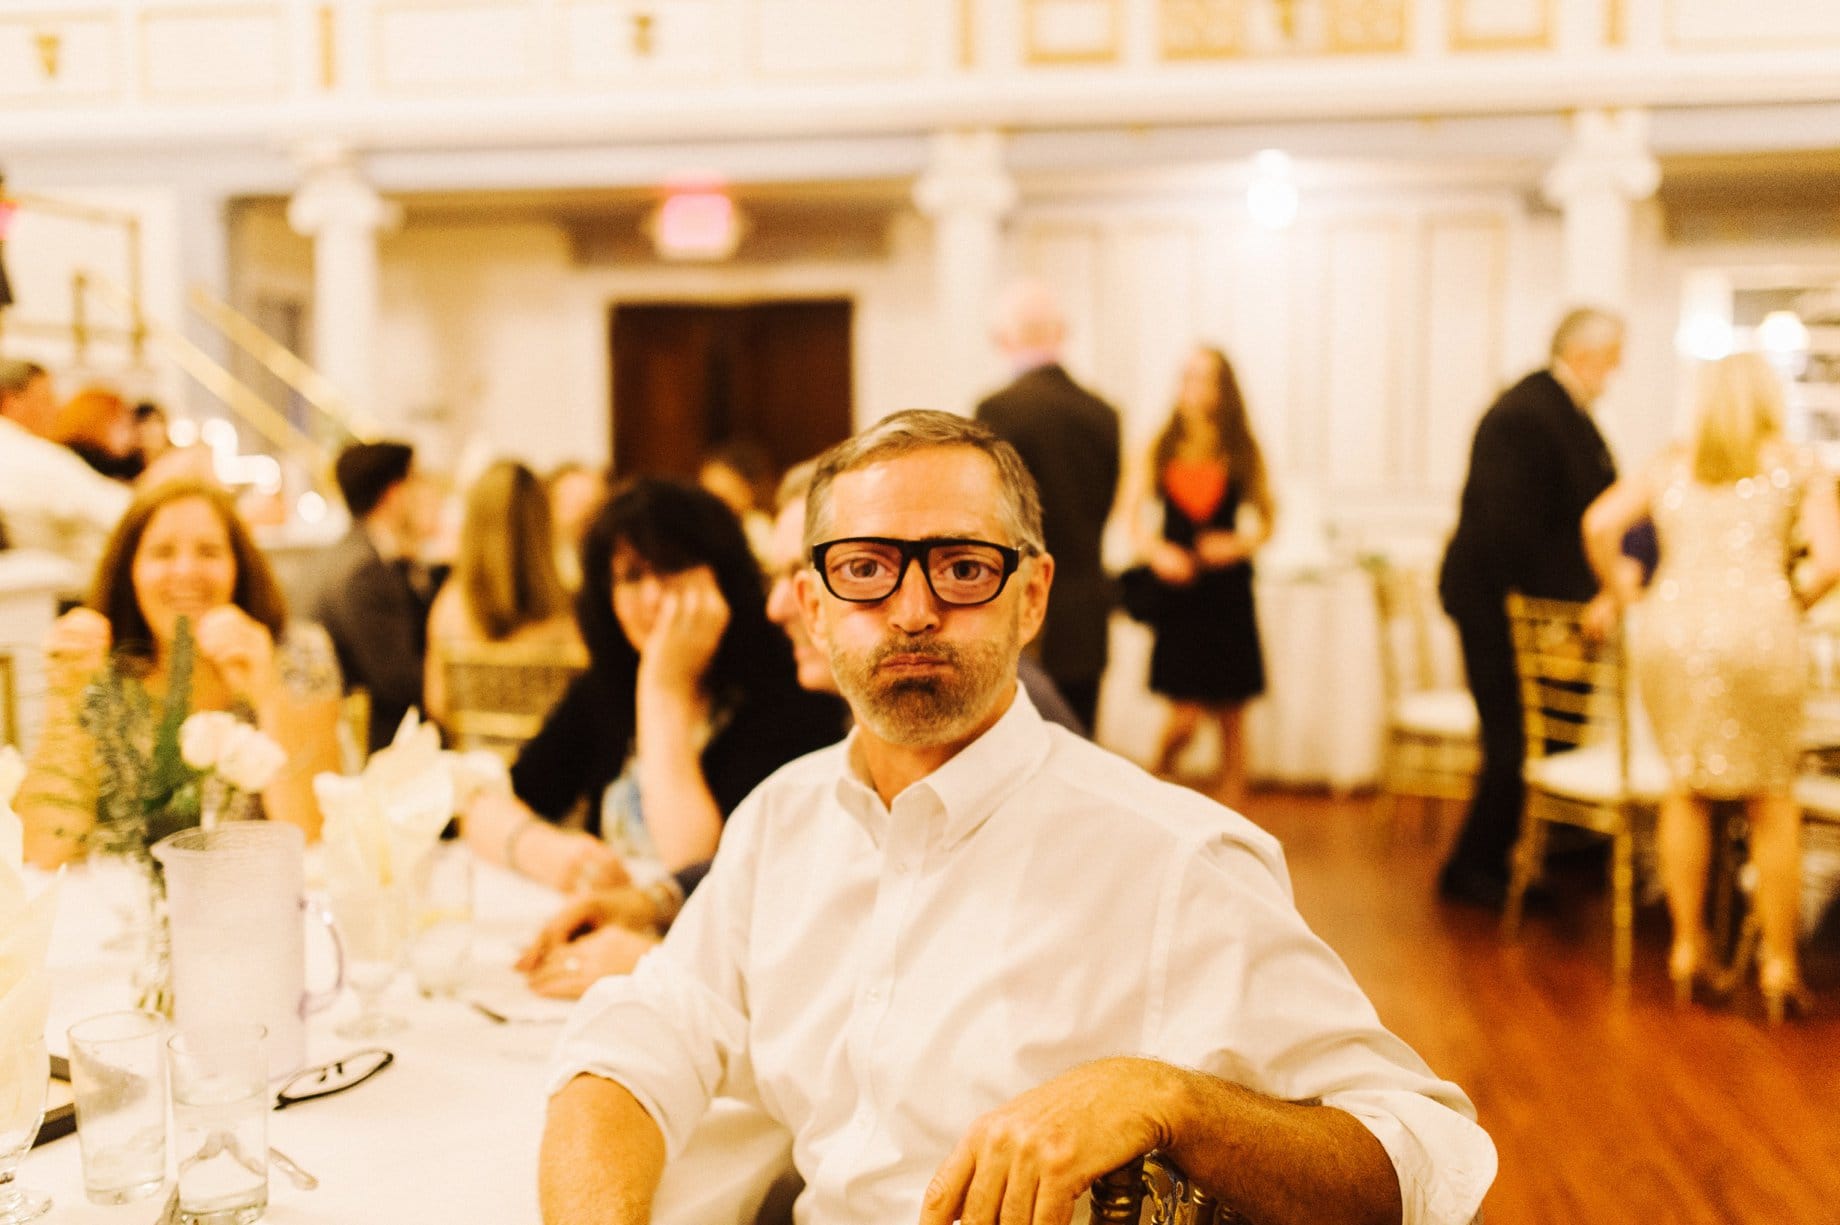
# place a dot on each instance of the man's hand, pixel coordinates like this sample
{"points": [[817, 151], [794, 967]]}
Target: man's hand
{"points": [[624, 906], [1028, 1162]]}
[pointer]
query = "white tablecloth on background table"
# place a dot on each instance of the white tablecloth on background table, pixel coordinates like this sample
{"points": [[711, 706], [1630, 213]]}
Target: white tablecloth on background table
{"points": [[1322, 715], [447, 1135]]}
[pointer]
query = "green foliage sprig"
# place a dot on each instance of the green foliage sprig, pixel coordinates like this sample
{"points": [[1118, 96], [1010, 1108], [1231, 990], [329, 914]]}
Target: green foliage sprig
{"points": [[145, 790]]}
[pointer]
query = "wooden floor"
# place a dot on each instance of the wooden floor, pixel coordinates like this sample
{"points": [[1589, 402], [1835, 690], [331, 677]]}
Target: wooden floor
{"points": [[1602, 1111]]}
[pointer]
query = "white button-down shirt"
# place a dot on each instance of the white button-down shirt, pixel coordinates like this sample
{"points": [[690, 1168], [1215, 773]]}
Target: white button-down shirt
{"points": [[51, 499], [875, 977]]}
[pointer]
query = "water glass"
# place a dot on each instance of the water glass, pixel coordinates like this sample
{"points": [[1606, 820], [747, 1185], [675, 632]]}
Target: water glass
{"points": [[443, 919], [373, 924], [25, 1074], [220, 1122], [118, 1078]]}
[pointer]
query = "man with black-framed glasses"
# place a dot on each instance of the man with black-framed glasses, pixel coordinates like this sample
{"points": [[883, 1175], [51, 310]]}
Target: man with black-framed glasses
{"points": [[973, 962]]}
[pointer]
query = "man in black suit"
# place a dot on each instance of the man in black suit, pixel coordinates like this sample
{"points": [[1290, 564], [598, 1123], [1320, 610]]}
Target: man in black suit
{"points": [[366, 598], [1069, 439], [1538, 461]]}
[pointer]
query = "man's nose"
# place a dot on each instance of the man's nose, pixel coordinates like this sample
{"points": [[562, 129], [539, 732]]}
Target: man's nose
{"points": [[913, 608]]}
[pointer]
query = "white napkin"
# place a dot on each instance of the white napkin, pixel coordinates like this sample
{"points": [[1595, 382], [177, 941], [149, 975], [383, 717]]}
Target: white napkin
{"points": [[25, 937], [379, 825]]}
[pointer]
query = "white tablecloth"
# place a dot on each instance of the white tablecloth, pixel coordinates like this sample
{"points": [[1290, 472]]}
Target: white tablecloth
{"points": [[448, 1133]]}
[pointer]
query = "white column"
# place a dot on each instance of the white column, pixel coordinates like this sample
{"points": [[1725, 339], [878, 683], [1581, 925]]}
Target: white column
{"points": [[1596, 183], [966, 193], [342, 214]]}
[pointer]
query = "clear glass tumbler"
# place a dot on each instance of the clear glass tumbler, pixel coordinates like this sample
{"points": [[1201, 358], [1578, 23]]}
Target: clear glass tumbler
{"points": [[118, 1078], [25, 1074], [220, 1122]]}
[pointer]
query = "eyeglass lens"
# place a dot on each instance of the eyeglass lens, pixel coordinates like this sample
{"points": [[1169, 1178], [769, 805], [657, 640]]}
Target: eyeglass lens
{"points": [[958, 571]]}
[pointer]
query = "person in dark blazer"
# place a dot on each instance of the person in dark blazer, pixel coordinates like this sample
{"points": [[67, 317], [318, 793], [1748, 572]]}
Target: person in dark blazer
{"points": [[1537, 462], [1069, 438], [365, 597]]}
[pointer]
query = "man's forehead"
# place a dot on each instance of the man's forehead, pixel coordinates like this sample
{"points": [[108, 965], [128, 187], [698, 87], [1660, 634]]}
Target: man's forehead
{"points": [[935, 492]]}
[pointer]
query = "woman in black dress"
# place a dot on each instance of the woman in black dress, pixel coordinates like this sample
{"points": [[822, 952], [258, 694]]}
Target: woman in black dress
{"points": [[1204, 467]]}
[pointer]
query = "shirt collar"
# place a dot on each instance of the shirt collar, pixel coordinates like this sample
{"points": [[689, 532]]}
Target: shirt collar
{"points": [[969, 787]]}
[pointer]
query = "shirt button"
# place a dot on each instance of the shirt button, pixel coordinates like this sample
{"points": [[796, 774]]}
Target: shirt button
{"points": [[875, 995]]}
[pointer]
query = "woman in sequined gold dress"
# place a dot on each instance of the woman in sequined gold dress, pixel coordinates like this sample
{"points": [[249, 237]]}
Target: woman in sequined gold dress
{"points": [[1718, 658]]}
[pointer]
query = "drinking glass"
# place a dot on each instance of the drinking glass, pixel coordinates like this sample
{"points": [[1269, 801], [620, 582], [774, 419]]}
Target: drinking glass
{"points": [[443, 922], [22, 1108], [125, 881], [118, 1078], [373, 924], [220, 1122]]}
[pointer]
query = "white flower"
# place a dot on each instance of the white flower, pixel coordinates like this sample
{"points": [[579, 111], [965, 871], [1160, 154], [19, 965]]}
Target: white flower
{"points": [[204, 736], [249, 760]]}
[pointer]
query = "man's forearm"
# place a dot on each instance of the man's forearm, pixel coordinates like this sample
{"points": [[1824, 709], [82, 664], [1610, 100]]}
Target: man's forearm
{"points": [[602, 1156], [1278, 1162]]}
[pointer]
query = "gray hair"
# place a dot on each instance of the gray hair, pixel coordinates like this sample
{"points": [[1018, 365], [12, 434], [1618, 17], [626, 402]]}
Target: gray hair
{"points": [[16, 374], [922, 429], [1585, 328]]}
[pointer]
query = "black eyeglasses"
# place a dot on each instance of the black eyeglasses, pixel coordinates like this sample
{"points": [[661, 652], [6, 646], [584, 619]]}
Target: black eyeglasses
{"points": [[336, 1077], [959, 571]]}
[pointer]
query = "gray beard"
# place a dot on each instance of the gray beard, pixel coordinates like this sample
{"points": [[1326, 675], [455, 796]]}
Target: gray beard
{"points": [[918, 711]]}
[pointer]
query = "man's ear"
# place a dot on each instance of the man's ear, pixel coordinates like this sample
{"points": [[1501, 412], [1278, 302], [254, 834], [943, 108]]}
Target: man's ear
{"points": [[805, 587], [1038, 579]]}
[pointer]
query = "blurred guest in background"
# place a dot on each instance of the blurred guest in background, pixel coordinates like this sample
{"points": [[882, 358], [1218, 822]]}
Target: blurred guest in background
{"points": [[96, 424], [181, 552], [576, 492], [1718, 655], [1203, 468], [49, 497], [689, 700], [1069, 439], [741, 474], [152, 436], [366, 597], [504, 587], [1537, 462]]}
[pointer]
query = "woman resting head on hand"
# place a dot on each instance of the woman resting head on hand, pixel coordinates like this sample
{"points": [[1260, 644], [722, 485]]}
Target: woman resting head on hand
{"points": [[181, 552]]}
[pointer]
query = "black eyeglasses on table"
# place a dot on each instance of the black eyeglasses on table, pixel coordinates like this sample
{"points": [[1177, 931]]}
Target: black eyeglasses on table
{"points": [[335, 1077], [959, 570]]}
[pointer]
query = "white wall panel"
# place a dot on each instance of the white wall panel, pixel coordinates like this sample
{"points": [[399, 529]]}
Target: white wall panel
{"points": [[1361, 319], [1069, 257], [1778, 24], [1465, 270], [606, 42], [1260, 278], [236, 52], [56, 58], [824, 39], [1151, 321], [476, 43]]}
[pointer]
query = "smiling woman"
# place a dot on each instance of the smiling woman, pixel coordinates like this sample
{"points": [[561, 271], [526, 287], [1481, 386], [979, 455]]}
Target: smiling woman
{"points": [[180, 554]]}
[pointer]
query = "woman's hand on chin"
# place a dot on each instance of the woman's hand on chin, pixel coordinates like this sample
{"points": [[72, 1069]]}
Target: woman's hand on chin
{"points": [[692, 616], [241, 649], [77, 648]]}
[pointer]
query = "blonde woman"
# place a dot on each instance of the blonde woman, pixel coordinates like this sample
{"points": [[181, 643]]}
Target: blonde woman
{"points": [[504, 587], [1203, 468], [1719, 660]]}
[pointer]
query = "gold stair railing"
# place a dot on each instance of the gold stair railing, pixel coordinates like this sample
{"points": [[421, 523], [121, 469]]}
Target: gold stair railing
{"points": [[79, 328], [256, 412], [282, 362]]}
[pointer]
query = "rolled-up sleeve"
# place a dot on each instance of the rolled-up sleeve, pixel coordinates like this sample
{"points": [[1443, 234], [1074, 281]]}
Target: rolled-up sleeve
{"points": [[674, 1032], [1248, 993]]}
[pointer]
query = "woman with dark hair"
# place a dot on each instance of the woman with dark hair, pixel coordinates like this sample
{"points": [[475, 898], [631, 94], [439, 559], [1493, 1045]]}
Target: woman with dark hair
{"points": [[690, 699], [1204, 467], [181, 553], [504, 588]]}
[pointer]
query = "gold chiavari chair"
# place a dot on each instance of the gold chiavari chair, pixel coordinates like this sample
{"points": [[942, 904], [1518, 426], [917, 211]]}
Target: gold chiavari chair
{"points": [[1430, 750], [498, 695], [9, 701], [1585, 766]]}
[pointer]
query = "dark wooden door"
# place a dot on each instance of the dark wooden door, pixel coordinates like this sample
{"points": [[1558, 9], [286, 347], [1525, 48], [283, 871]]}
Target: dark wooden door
{"points": [[688, 377]]}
